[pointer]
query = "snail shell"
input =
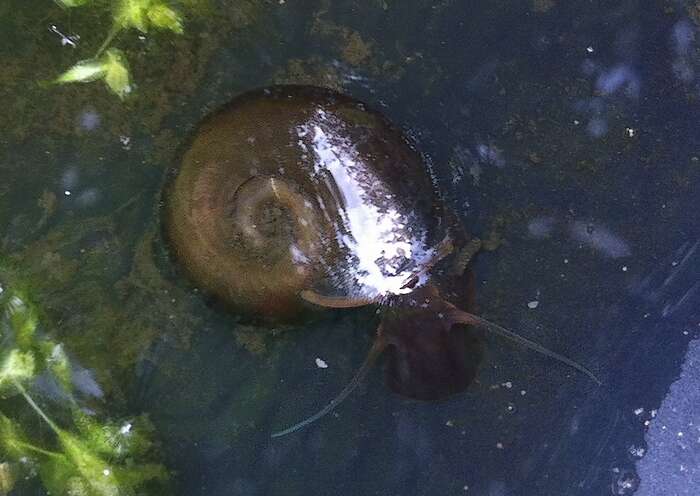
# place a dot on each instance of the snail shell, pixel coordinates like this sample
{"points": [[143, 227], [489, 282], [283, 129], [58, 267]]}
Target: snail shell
{"points": [[292, 188]]}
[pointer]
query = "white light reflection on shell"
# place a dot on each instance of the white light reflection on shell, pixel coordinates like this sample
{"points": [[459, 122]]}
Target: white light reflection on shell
{"points": [[383, 252]]}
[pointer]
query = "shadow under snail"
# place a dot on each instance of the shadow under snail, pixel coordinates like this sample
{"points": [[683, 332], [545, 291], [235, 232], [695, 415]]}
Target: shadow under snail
{"points": [[298, 196]]}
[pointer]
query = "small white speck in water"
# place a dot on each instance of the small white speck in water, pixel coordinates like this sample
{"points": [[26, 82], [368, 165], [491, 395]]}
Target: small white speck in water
{"points": [[321, 364], [533, 304], [636, 452]]}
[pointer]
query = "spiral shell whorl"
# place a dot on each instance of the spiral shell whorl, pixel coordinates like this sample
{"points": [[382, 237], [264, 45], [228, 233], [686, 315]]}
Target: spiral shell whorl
{"points": [[254, 217]]}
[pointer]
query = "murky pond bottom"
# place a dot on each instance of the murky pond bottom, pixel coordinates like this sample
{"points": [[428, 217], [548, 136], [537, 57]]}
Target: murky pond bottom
{"points": [[565, 133]]}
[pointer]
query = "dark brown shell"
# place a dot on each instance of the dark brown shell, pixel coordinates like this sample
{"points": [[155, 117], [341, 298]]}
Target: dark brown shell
{"points": [[294, 187]]}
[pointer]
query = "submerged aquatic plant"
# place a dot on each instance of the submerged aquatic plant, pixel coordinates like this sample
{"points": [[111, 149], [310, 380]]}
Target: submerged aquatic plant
{"points": [[94, 458], [109, 64]]}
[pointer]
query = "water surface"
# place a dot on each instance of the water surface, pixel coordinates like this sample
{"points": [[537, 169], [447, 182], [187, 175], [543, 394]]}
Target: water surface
{"points": [[569, 128]]}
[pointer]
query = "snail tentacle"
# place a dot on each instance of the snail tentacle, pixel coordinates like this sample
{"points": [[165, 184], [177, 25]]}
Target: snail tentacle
{"points": [[337, 301], [374, 352], [461, 317], [444, 248]]}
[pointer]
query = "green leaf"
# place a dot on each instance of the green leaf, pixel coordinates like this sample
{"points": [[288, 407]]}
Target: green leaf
{"points": [[17, 366], [59, 365], [163, 17], [13, 441], [84, 71], [137, 475], [59, 476], [111, 67], [105, 439], [23, 320], [115, 440], [124, 444], [132, 14], [72, 3], [8, 477], [117, 74], [92, 469]]}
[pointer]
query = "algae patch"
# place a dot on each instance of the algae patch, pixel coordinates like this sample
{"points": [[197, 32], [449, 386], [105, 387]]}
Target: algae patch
{"points": [[82, 453]]}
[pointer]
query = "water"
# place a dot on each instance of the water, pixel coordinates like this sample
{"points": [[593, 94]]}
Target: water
{"points": [[567, 128]]}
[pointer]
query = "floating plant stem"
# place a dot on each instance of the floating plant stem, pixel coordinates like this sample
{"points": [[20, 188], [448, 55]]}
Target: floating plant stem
{"points": [[110, 37], [36, 407], [36, 449]]}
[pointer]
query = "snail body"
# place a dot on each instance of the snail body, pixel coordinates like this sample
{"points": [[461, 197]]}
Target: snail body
{"points": [[297, 196]]}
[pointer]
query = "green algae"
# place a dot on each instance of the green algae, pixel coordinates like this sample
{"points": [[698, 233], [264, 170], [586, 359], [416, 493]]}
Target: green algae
{"points": [[92, 277], [93, 457]]}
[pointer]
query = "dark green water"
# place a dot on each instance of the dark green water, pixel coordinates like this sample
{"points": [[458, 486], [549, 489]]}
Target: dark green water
{"points": [[570, 128]]}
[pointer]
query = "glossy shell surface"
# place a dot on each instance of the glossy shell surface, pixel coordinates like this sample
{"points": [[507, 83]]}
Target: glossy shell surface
{"points": [[292, 188]]}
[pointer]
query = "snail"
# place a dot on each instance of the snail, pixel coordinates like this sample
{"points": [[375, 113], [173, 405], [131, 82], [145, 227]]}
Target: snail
{"points": [[293, 197]]}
